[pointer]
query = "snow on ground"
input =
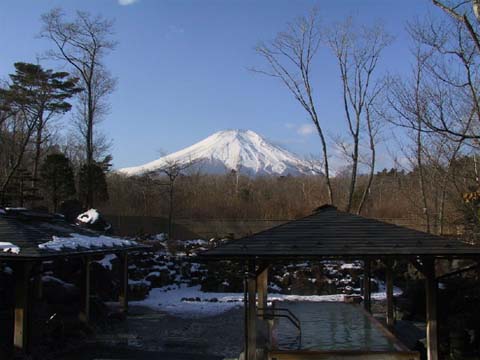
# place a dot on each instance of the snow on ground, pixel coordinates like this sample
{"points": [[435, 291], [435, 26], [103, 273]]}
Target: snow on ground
{"points": [[49, 278], [189, 302], [83, 241], [9, 247], [89, 217], [106, 262], [351, 266]]}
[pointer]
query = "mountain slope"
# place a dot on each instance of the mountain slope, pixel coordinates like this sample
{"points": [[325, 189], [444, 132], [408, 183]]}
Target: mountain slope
{"points": [[241, 150]]}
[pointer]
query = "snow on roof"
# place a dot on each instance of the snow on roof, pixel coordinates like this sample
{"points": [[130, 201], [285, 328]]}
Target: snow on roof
{"points": [[82, 241], [89, 217], [9, 247], [195, 242]]}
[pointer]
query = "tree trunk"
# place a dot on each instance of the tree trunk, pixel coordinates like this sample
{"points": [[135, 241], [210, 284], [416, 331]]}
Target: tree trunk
{"points": [[38, 151], [326, 166], [422, 180], [371, 175], [89, 148]]}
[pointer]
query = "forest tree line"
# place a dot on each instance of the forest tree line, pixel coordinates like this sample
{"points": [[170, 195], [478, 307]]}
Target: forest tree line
{"points": [[434, 112]]}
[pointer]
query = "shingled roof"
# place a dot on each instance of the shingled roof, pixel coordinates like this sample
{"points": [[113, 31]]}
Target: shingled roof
{"points": [[24, 233], [329, 232]]}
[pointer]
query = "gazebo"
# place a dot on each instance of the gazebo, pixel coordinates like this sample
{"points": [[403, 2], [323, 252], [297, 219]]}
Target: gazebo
{"points": [[28, 238], [331, 234]]}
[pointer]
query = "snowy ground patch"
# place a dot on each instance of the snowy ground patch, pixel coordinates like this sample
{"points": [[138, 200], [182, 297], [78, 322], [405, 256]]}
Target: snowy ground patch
{"points": [[190, 302], [106, 262], [49, 278], [172, 299], [9, 247]]}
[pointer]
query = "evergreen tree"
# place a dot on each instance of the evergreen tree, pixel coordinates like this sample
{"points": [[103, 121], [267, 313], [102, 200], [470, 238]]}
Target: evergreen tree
{"points": [[37, 95], [57, 179], [92, 184], [44, 94]]}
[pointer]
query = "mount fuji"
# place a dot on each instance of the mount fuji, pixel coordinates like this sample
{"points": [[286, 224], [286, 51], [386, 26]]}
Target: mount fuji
{"points": [[241, 150]]}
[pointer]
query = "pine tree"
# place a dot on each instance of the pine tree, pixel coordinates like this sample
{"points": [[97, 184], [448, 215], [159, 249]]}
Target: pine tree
{"points": [[44, 94], [37, 95], [57, 179]]}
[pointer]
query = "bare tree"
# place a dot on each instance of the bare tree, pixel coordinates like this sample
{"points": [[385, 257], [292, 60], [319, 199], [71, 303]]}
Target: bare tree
{"points": [[450, 62], [466, 13], [357, 51], [289, 58], [172, 170], [83, 43], [409, 102]]}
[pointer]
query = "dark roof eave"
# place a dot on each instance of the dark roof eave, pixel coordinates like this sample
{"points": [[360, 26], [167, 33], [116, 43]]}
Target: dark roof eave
{"points": [[329, 233], [399, 253]]}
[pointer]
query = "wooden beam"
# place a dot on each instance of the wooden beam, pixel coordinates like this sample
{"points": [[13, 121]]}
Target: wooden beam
{"points": [[389, 290], [252, 312], [84, 315], [21, 331], [367, 293], [431, 303], [123, 296]]}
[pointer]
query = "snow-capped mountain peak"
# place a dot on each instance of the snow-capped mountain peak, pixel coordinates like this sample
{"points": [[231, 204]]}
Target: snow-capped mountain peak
{"points": [[242, 150]]}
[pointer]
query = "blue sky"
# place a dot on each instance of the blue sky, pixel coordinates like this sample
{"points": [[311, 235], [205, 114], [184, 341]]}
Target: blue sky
{"points": [[182, 66]]}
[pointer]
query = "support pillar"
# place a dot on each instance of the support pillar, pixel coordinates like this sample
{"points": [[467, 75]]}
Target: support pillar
{"points": [[431, 303], [263, 324], [123, 296], [389, 290], [262, 288], [21, 330], [84, 315], [38, 281], [252, 312], [367, 293]]}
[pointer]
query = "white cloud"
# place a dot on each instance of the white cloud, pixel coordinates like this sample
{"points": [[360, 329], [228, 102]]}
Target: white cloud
{"points": [[127, 2], [306, 129]]}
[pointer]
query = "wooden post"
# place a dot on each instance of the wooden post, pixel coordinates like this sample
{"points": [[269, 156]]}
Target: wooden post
{"points": [[367, 294], [252, 312], [262, 288], [431, 303], [389, 281], [84, 315], [123, 296], [22, 303], [245, 309], [263, 324], [39, 281]]}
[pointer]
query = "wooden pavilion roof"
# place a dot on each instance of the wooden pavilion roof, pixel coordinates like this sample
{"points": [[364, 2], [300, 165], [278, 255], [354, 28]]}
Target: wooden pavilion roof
{"points": [[331, 233], [27, 229]]}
